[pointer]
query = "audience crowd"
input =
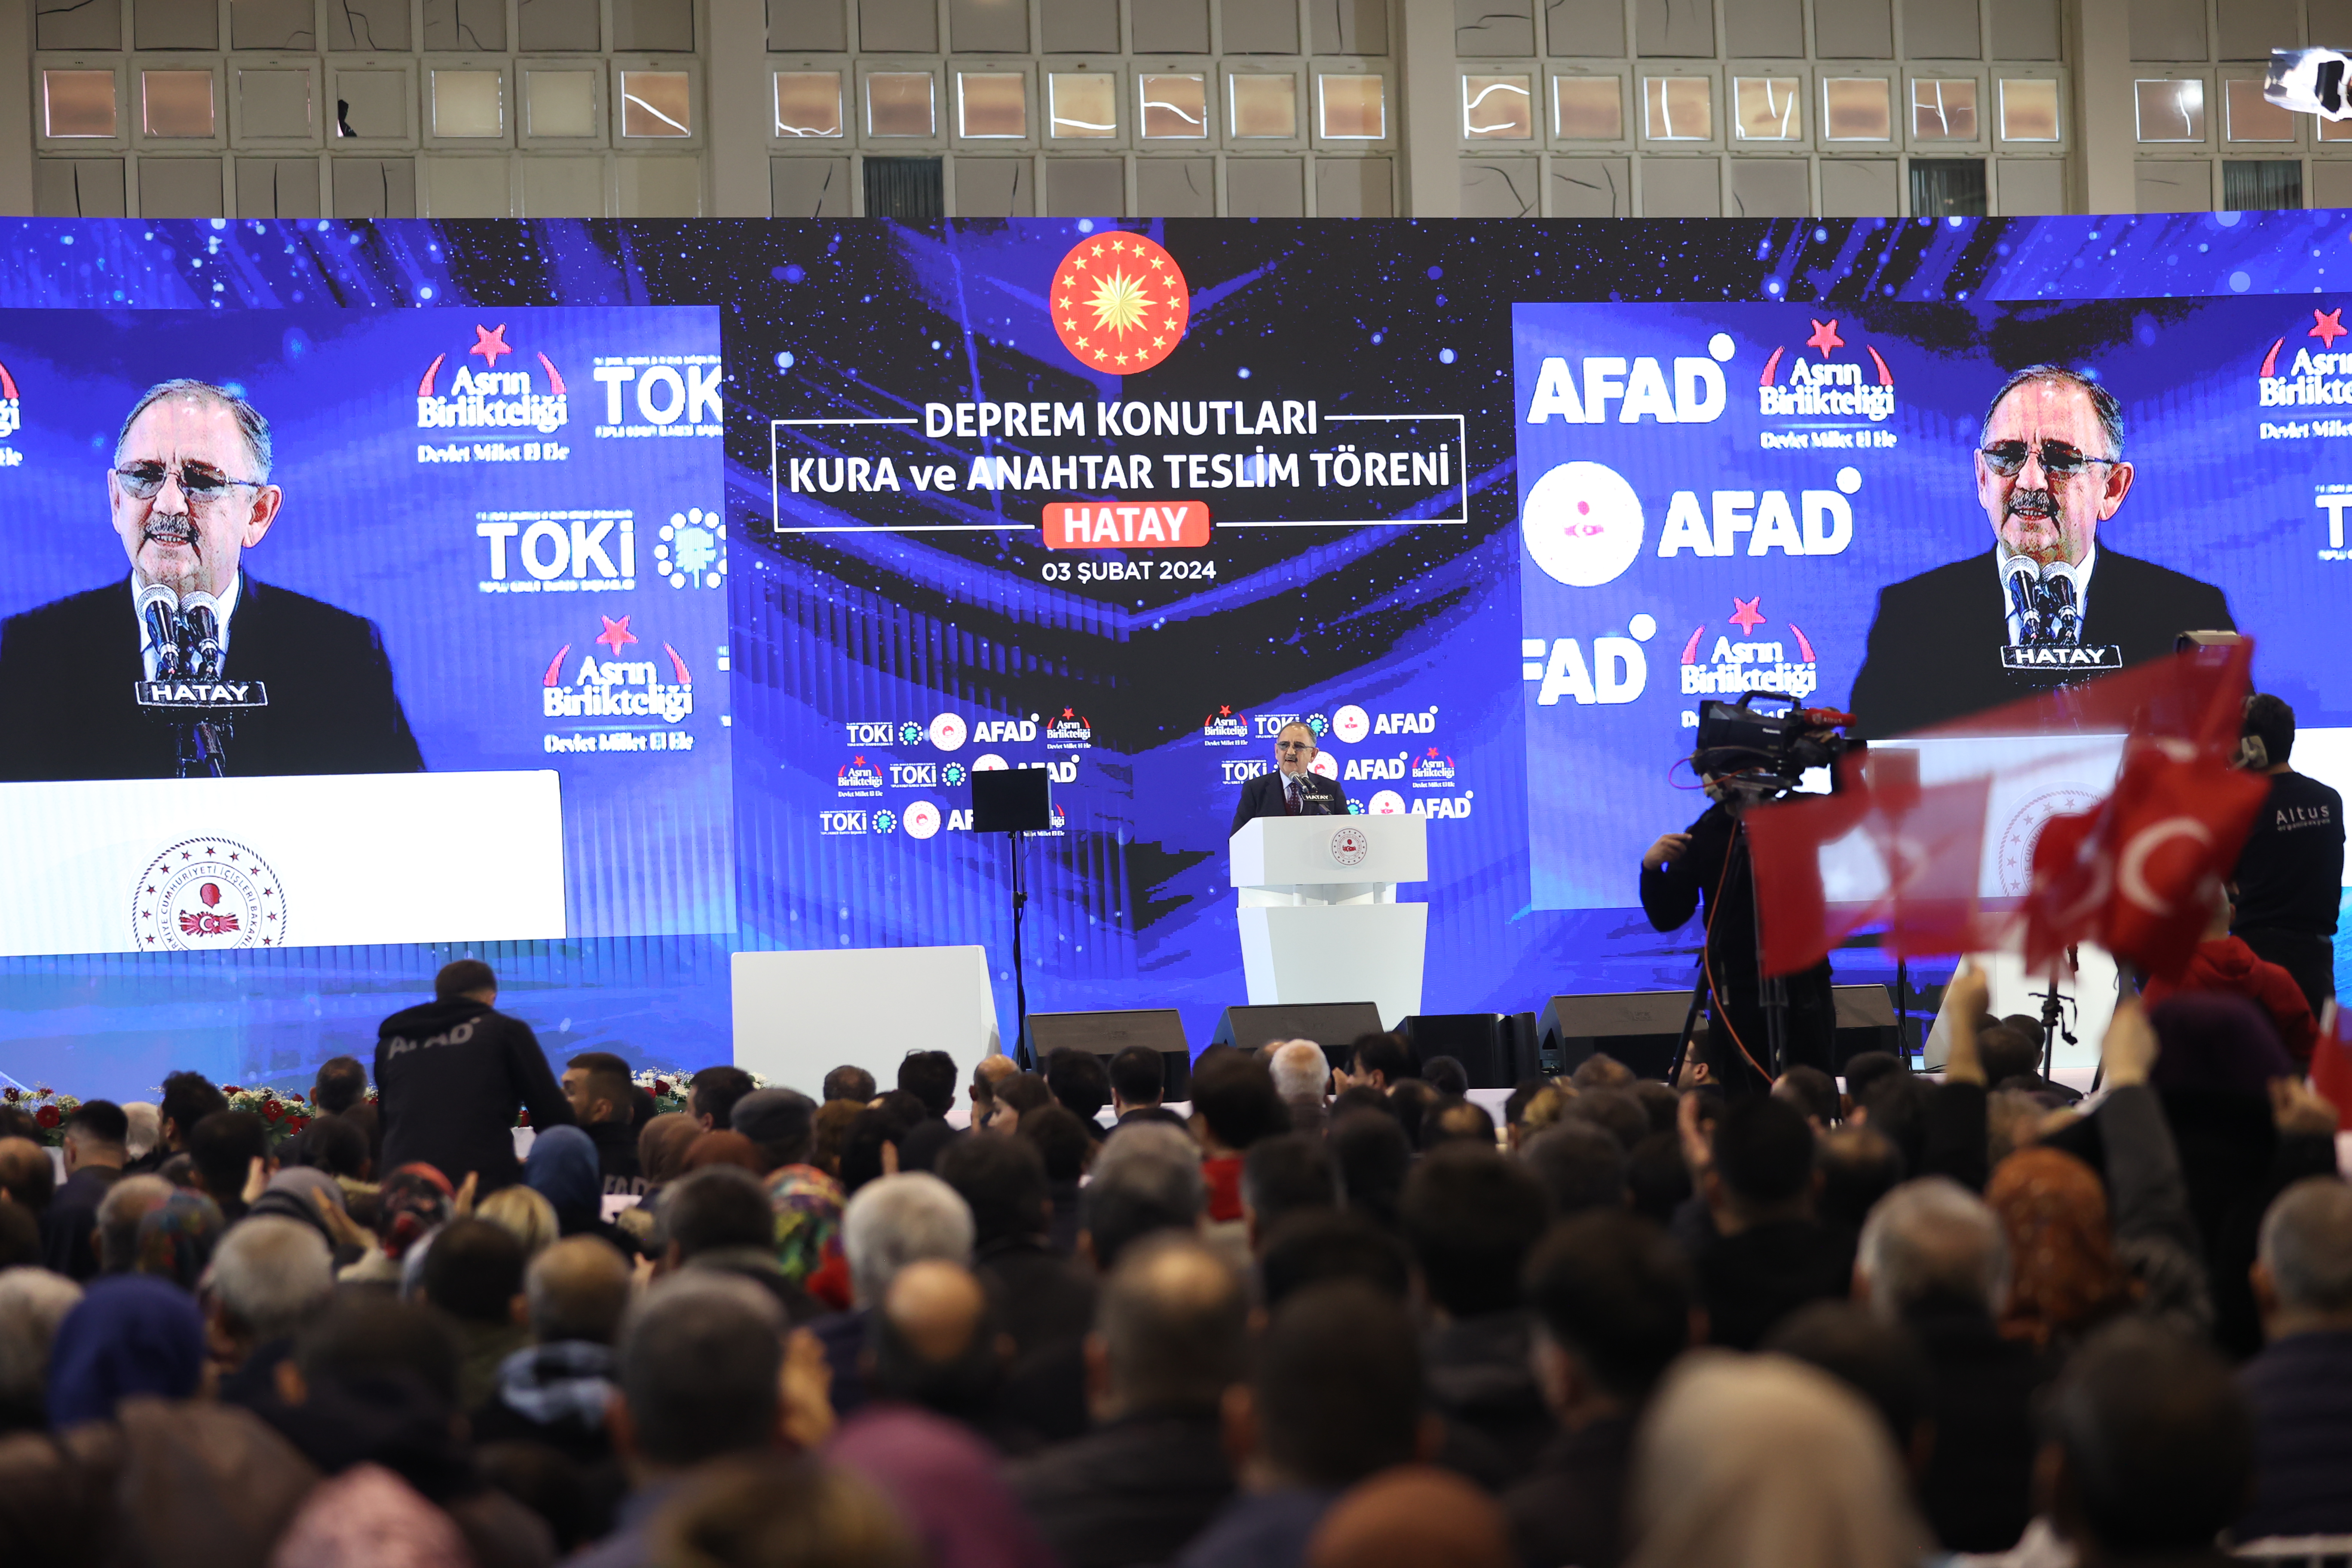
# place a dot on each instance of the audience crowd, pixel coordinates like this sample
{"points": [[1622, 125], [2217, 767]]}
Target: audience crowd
{"points": [[1327, 1311]]}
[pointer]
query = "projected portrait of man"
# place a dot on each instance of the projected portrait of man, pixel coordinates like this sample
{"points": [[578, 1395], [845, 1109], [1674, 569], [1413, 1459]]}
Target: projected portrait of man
{"points": [[2047, 602], [189, 494]]}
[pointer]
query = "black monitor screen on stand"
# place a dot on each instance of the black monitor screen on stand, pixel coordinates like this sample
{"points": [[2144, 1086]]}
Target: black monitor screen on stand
{"points": [[1015, 801]]}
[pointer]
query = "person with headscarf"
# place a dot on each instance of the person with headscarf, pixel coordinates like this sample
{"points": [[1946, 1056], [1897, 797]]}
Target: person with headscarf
{"points": [[1764, 1462], [1414, 1516], [662, 1145], [562, 1168], [723, 1147], [177, 1241], [130, 1334], [297, 1192], [413, 1202]]}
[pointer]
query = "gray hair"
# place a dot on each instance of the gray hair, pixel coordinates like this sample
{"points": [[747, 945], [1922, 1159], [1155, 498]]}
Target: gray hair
{"points": [[1928, 1238], [271, 1276], [33, 1303], [250, 424], [2102, 402], [578, 1289], [126, 1202], [1300, 1069], [145, 1129], [1147, 1178], [700, 1363], [900, 1220], [2306, 1244], [1175, 1319]]}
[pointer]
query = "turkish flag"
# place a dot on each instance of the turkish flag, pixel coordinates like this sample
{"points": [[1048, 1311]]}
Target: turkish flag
{"points": [[2138, 874], [2331, 1063]]}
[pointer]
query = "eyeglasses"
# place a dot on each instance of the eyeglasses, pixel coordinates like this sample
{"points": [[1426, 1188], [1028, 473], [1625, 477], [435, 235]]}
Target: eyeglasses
{"points": [[2059, 460], [1293, 745], [199, 482]]}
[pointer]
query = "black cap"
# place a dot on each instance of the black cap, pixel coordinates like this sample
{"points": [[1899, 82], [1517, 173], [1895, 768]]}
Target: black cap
{"points": [[775, 1116]]}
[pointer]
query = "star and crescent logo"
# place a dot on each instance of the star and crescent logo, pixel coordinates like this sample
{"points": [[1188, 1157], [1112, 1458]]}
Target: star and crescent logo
{"points": [[1119, 302]]}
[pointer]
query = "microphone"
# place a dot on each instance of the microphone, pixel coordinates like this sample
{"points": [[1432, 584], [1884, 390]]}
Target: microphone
{"points": [[200, 616], [2062, 598], [2019, 575], [159, 614]]}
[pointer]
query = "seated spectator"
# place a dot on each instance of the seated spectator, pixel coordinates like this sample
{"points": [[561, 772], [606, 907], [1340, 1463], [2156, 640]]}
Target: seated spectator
{"points": [[129, 1334], [562, 1168], [1581, 1167], [1080, 1084], [1448, 1077], [1147, 1180], [309, 1197], [1171, 1337], [1657, 1178], [1749, 1461], [2151, 1450], [1864, 1068], [126, 1202], [335, 1144], [187, 1098], [930, 1077], [854, 1084], [1233, 1106], [1814, 1094], [1301, 1075], [2225, 964], [662, 1145], [2064, 1282], [1613, 1300], [1662, 1102], [1036, 1296], [1877, 1359], [807, 1201], [33, 1303], [1317, 1246], [1411, 1103], [2012, 1054], [1139, 1083], [1858, 1166], [888, 1224], [1335, 1398], [1896, 1104], [770, 1512], [1063, 1142], [725, 1147], [711, 1094], [1458, 1122], [872, 1149], [1600, 1070], [524, 1213], [142, 1130], [269, 1279], [935, 1344], [1934, 1259], [1411, 1517], [1772, 1255], [94, 1157], [473, 1275], [2300, 1387], [1617, 1111], [1373, 1155], [597, 1084], [986, 1074], [1378, 1062], [555, 1390], [413, 1202], [719, 1219], [28, 1177], [833, 1119], [223, 1147], [1017, 1095], [1357, 1097], [1471, 1216], [175, 1242], [1535, 1107], [1281, 1176]]}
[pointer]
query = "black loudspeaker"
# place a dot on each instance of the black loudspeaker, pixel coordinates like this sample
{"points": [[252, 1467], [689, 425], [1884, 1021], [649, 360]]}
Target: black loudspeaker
{"points": [[1639, 1029], [1334, 1025], [1012, 800], [1160, 1029], [1866, 1022], [1485, 1044]]}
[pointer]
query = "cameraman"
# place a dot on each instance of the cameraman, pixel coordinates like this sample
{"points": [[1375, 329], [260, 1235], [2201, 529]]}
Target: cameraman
{"points": [[1683, 868]]}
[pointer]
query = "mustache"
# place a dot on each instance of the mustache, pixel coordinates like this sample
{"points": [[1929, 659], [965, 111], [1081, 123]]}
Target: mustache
{"points": [[171, 531], [2033, 503]]}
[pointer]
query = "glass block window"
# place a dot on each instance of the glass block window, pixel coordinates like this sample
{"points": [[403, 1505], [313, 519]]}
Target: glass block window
{"points": [[2170, 110], [1677, 108], [1083, 105], [1172, 107], [1768, 107], [78, 103], [1858, 109], [1497, 108], [467, 103], [176, 103], [1943, 108], [1588, 108], [1353, 108], [2029, 109], [1262, 106], [2253, 117], [808, 103], [657, 103], [900, 103], [992, 104]]}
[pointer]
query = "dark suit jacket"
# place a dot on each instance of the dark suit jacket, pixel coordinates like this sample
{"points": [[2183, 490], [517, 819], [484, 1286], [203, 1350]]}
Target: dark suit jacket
{"points": [[1934, 647], [67, 670], [1262, 797]]}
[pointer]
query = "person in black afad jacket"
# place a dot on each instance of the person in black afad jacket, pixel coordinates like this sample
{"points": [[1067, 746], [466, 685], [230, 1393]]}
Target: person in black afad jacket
{"points": [[450, 1074]]}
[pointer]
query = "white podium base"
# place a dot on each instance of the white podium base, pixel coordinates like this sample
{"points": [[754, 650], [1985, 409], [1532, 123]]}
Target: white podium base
{"points": [[1336, 953], [798, 1015]]}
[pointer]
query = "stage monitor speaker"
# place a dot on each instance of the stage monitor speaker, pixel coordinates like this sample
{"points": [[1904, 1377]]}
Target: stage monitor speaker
{"points": [[1639, 1029], [1334, 1025], [1866, 1022], [1160, 1029], [1012, 800], [1483, 1043]]}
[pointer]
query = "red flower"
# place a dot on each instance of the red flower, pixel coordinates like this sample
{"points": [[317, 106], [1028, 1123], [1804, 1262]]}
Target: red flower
{"points": [[48, 1116], [296, 1123], [231, 1088], [272, 1109], [660, 1086], [295, 1098], [10, 1092]]}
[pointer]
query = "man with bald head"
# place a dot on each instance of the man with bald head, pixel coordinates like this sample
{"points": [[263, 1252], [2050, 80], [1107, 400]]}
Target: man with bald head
{"points": [[189, 494], [2051, 602]]}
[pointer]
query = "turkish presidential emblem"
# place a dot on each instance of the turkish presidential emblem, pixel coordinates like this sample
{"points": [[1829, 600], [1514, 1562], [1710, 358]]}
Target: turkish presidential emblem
{"points": [[1119, 302]]}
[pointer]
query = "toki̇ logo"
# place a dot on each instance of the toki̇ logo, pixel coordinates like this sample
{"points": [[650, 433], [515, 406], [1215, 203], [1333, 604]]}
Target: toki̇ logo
{"points": [[1225, 728], [491, 398], [1269, 725], [2332, 500], [1682, 391], [843, 824], [872, 733], [1242, 772], [654, 396], [1433, 770], [914, 775], [857, 777], [1731, 667], [1069, 731], [558, 551], [1119, 302], [1827, 388], [620, 687], [2310, 380]]}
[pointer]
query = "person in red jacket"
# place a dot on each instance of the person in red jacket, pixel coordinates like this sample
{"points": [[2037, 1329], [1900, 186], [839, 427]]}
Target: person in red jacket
{"points": [[2224, 963]]}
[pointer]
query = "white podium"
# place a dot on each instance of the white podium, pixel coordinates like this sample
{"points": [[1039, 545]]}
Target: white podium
{"points": [[1319, 914]]}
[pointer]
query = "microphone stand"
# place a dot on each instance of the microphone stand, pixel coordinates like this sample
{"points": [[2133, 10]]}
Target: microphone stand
{"points": [[1020, 978]]}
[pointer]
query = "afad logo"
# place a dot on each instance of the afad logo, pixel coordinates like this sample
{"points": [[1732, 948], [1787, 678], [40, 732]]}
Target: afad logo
{"points": [[617, 687], [1120, 303], [1828, 387], [1069, 731], [2312, 379], [1226, 728], [491, 398], [1751, 663], [857, 778]]}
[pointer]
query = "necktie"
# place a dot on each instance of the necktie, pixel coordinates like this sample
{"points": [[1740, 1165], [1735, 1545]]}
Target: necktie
{"points": [[1294, 797]]}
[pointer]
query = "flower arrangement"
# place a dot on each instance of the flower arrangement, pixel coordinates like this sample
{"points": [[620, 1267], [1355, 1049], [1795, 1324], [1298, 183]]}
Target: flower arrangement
{"points": [[47, 1106], [283, 1115]]}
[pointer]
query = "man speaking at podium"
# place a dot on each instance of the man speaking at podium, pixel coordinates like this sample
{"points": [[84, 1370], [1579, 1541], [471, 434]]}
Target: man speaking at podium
{"points": [[1291, 790], [189, 490]]}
